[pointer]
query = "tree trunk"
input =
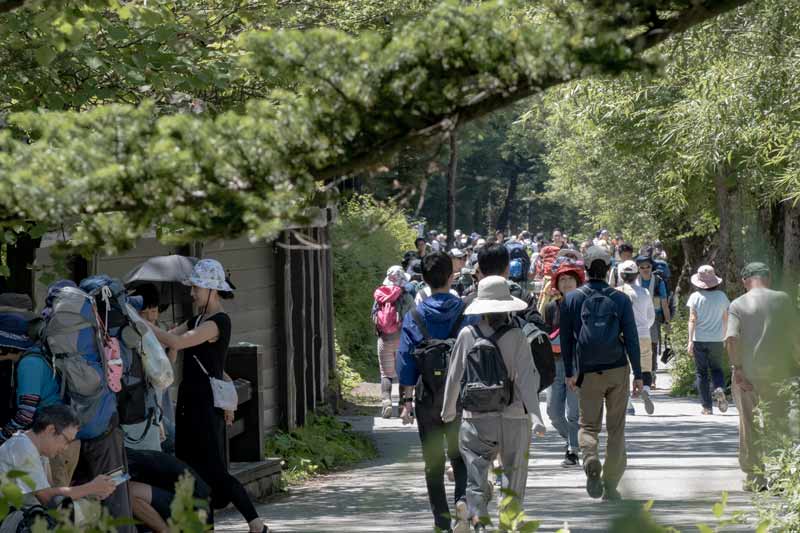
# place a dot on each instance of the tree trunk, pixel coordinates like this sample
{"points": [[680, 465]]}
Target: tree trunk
{"points": [[452, 169], [723, 259], [505, 215], [791, 248]]}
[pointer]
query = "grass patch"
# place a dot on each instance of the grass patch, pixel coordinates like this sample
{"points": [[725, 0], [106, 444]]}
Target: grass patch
{"points": [[322, 445]]}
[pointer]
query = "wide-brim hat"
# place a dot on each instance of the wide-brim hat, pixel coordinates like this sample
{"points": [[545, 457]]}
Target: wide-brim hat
{"points": [[209, 274], [14, 331], [577, 270], [396, 276], [494, 296], [706, 278]]}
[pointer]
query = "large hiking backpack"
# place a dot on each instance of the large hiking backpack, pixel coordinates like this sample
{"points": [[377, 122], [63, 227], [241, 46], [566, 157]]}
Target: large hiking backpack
{"points": [[601, 326], [541, 349], [387, 318], [661, 271], [23, 520], [72, 337], [432, 357], [486, 386], [520, 262], [544, 263]]}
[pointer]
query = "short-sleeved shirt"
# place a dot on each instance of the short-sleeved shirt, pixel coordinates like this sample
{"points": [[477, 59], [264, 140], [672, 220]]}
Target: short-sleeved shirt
{"points": [[659, 294], [765, 323], [35, 377], [710, 308], [19, 453]]}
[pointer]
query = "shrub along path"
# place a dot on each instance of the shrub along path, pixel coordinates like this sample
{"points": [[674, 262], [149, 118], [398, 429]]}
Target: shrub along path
{"points": [[677, 457]]}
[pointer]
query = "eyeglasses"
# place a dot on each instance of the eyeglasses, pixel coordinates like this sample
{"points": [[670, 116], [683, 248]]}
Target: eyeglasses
{"points": [[645, 267], [66, 440]]}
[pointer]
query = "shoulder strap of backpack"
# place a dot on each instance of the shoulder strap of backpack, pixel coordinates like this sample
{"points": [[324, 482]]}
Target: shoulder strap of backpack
{"points": [[457, 325], [420, 323]]}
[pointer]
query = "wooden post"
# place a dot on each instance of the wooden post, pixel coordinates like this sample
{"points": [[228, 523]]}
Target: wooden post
{"points": [[452, 170]]}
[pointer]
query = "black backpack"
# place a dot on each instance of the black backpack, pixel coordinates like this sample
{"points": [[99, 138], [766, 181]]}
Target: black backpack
{"points": [[432, 357], [541, 349], [486, 386]]}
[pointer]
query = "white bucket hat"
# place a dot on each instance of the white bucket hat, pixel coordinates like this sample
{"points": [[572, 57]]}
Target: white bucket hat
{"points": [[396, 276], [706, 278], [209, 274], [494, 296]]}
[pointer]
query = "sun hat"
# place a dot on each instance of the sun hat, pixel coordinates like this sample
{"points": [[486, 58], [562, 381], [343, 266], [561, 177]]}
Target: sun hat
{"points": [[14, 332], [209, 274], [569, 268], [629, 267], [457, 253], [706, 278], [494, 296], [396, 276], [755, 269], [597, 253]]}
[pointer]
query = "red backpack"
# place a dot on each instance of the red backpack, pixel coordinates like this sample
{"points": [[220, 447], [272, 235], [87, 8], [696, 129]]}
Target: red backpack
{"points": [[387, 319]]}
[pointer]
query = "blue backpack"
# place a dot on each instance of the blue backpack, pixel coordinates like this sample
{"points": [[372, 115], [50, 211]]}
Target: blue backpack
{"points": [[520, 261], [601, 327]]}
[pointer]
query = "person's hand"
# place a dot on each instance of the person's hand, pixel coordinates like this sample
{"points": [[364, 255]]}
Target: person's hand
{"points": [[172, 353], [741, 381], [668, 327], [406, 414], [690, 347], [102, 486], [572, 383], [638, 385], [229, 417]]}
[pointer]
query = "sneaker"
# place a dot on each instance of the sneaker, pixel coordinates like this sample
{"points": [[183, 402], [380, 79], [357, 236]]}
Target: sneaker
{"points": [[386, 412], [611, 494], [594, 485], [707, 411], [462, 520], [630, 411], [722, 401], [451, 476], [570, 459], [648, 402], [479, 528]]}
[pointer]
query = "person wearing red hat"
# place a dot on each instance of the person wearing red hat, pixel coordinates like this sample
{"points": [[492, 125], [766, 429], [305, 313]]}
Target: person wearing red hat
{"points": [[562, 402]]}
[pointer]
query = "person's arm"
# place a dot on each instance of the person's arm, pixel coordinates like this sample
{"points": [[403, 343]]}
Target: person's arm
{"points": [[665, 301], [452, 387], [732, 343], [207, 332], [100, 487], [527, 383], [692, 327], [28, 396], [630, 335]]}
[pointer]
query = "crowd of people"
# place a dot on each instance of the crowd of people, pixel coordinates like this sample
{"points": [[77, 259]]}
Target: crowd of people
{"points": [[91, 417], [473, 334]]}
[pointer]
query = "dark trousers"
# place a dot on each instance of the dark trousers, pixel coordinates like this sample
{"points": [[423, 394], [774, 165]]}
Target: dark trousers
{"points": [[437, 438], [708, 360]]}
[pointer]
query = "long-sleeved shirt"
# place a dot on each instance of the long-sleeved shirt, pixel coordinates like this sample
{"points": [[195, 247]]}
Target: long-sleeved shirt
{"points": [[37, 387], [519, 362], [571, 325], [643, 310]]}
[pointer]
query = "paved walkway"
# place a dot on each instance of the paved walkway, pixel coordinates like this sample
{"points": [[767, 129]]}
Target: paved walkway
{"points": [[677, 457]]}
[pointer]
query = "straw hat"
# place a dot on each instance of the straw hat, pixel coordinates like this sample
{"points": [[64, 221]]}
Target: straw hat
{"points": [[494, 296], [706, 278]]}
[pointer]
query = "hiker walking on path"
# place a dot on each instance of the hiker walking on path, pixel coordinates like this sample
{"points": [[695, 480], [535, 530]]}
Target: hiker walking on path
{"points": [[708, 321], [763, 346], [645, 315], [493, 375], [199, 424], [598, 331], [426, 343], [562, 401], [392, 302], [654, 282]]}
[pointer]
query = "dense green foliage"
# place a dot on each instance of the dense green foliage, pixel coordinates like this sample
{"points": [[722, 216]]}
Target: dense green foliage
{"points": [[321, 445], [368, 238]]}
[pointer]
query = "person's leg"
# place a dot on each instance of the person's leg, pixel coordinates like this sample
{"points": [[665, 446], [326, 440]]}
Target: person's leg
{"points": [[478, 443], [556, 400], [63, 465], [573, 410], [716, 355], [515, 439], [456, 461], [143, 511], [591, 398], [701, 361], [746, 402], [616, 401], [431, 435], [646, 351]]}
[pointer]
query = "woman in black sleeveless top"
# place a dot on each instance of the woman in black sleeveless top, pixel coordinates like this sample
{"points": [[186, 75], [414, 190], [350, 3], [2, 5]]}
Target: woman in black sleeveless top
{"points": [[199, 426]]}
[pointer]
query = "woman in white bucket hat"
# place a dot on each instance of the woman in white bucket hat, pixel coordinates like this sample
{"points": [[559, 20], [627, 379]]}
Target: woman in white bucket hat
{"points": [[708, 320], [199, 426], [507, 432]]}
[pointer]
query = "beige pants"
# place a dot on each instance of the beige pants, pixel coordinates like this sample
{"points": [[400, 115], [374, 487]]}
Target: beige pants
{"points": [[609, 390], [749, 454], [646, 349], [62, 466]]}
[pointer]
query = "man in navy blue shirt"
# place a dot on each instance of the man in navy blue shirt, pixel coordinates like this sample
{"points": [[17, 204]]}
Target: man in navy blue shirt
{"points": [[598, 334], [442, 314]]}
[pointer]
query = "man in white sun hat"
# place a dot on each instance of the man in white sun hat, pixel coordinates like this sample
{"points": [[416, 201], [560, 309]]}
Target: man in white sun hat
{"points": [[499, 396]]}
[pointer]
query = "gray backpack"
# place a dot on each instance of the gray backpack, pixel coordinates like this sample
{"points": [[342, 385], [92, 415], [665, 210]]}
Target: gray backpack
{"points": [[73, 339]]}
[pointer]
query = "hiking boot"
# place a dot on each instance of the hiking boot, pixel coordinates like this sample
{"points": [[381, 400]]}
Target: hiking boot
{"points": [[386, 411], [461, 524], [630, 411], [611, 494], [722, 401], [570, 459], [648, 402], [594, 484]]}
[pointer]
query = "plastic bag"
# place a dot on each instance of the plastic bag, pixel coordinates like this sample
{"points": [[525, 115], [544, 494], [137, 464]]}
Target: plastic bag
{"points": [[156, 364]]}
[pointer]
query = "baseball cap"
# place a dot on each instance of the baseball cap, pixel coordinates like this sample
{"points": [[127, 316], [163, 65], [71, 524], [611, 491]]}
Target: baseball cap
{"points": [[755, 269], [629, 267], [595, 253]]}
